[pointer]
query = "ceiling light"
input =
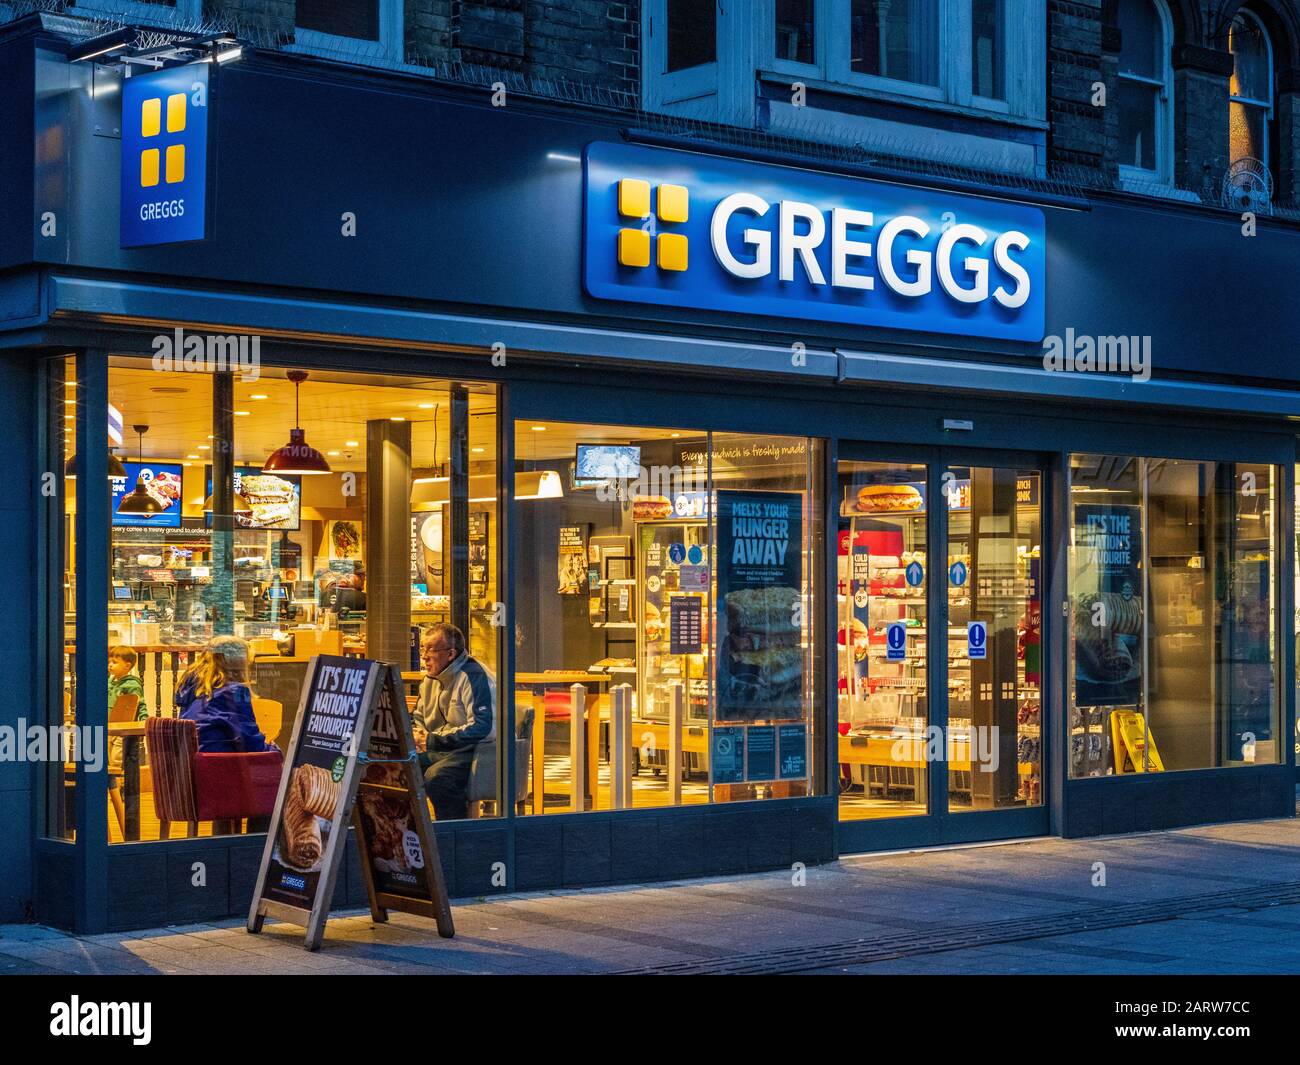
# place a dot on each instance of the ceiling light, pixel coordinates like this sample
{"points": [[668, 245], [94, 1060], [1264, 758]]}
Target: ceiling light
{"points": [[397, 418], [539, 428], [332, 454], [205, 447], [297, 456], [351, 443], [478, 450], [138, 500], [241, 414], [425, 406], [259, 395], [115, 467]]}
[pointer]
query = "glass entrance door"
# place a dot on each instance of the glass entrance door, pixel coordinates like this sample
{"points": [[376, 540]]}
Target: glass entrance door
{"points": [[940, 651]]}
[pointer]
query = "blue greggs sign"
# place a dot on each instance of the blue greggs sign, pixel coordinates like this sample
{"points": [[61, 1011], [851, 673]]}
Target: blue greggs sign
{"points": [[164, 156], [671, 227]]}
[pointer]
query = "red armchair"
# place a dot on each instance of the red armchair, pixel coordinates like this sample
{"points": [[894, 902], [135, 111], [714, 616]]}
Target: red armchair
{"points": [[193, 787]]}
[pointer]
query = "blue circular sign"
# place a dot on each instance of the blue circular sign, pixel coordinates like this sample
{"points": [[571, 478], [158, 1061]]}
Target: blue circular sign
{"points": [[957, 573], [694, 554], [977, 634], [915, 574], [896, 636], [676, 552]]}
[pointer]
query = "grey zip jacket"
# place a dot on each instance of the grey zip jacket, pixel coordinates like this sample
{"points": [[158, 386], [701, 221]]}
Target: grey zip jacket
{"points": [[458, 706]]}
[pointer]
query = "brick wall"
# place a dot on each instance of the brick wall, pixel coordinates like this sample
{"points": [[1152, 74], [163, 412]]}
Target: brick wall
{"points": [[1078, 144], [598, 43]]}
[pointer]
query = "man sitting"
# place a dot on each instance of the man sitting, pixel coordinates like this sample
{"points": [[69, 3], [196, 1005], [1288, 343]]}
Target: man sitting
{"points": [[455, 712]]}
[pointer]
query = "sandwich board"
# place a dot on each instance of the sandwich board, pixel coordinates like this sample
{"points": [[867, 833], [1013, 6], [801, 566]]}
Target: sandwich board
{"points": [[335, 744]]}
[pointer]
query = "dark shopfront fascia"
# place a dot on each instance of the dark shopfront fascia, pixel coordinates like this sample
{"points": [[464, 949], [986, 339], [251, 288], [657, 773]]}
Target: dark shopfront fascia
{"points": [[593, 848]]}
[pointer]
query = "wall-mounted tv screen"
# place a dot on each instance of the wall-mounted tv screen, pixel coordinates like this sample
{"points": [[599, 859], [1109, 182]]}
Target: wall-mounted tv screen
{"points": [[596, 463], [275, 499], [162, 480]]}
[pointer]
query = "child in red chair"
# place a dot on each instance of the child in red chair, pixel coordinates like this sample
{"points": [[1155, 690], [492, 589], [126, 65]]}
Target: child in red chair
{"points": [[214, 694]]}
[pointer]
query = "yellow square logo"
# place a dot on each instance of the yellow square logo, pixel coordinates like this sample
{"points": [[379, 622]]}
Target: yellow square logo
{"points": [[149, 167], [151, 117], [633, 247], [176, 112], [672, 251], [634, 198], [673, 203], [175, 163]]}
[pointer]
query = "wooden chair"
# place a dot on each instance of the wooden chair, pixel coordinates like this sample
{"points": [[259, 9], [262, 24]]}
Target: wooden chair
{"points": [[123, 709]]}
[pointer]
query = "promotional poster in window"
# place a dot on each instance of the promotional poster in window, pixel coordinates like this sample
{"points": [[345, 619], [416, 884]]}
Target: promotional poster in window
{"points": [[1108, 605], [760, 662]]}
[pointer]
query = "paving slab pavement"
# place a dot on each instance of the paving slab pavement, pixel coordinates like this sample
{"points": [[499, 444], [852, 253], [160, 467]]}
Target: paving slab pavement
{"points": [[1216, 899]]}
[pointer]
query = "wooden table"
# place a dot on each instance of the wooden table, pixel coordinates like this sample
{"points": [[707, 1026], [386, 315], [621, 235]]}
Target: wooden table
{"points": [[132, 736]]}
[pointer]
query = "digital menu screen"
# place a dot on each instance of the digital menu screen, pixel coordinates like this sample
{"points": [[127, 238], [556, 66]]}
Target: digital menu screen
{"points": [[596, 463], [162, 480], [275, 500]]}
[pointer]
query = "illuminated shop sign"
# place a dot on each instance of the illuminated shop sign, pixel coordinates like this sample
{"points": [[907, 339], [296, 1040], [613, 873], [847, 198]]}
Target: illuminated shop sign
{"points": [[688, 230], [164, 156]]}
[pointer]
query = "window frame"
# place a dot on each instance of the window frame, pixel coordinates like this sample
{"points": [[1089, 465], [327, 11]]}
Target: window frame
{"points": [[661, 87], [1266, 106], [389, 47], [1023, 59], [1163, 173]]}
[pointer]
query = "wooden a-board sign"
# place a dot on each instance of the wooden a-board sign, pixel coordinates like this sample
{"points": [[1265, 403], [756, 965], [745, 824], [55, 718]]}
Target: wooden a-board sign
{"points": [[350, 760]]}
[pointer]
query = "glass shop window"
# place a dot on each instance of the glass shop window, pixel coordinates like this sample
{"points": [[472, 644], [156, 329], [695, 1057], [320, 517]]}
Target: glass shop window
{"points": [[256, 523], [1174, 587], [666, 628]]}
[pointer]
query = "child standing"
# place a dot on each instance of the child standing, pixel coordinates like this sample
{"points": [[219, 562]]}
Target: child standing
{"points": [[123, 680]]}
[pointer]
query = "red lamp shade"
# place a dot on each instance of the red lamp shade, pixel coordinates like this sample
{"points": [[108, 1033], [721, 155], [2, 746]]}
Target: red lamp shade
{"points": [[296, 457]]}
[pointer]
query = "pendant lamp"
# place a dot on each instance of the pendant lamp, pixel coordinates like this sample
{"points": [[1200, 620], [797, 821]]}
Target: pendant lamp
{"points": [[297, 456], [138, 500], [115, 467], [240, 506]]}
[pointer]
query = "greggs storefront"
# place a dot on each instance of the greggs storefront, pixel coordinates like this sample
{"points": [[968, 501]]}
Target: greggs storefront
{"points": [[745, 479]]}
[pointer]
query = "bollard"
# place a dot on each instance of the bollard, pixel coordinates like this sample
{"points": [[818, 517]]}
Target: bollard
{"points": [[620, 746], [577, 748], [676, 718]]}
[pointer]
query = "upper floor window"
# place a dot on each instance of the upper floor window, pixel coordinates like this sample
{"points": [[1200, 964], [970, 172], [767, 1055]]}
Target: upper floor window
{"points": [[895, 39], [735, 62], [343, 18], [1145, 90], [692, 34], [356, 30], [1250, 92], [984, 54]]}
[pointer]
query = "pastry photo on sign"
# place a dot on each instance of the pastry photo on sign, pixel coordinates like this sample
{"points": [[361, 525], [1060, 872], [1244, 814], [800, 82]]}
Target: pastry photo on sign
{"points": [[760, 670], [309, 808]]}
